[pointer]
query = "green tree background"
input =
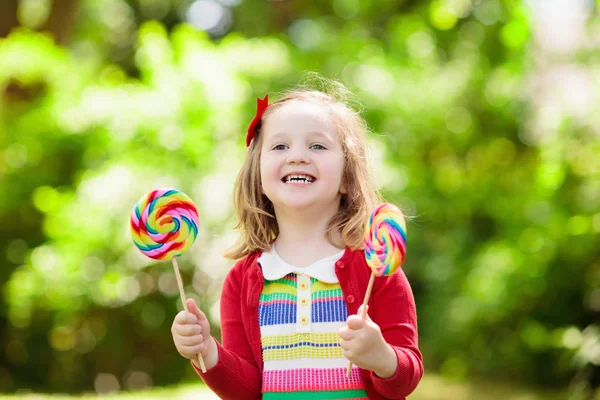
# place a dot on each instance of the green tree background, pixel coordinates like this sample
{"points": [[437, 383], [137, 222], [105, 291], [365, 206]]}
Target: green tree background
{"points": [[483, 127]]}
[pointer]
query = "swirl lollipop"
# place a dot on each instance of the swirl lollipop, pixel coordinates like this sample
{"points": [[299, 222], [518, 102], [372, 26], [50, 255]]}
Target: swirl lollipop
{"points": [[385, 246], [385, 240], [164, 224]]}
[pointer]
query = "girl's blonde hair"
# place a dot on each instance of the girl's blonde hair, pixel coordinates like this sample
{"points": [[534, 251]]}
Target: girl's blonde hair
{"points": [[256, 216]]}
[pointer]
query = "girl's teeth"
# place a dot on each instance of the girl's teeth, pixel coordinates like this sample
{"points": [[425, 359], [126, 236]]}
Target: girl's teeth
{"points": [[299, 179]]}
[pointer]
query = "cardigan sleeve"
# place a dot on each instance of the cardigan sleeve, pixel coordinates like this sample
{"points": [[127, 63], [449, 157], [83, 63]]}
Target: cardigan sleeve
{"points": [[393, 309], [236, 375]]}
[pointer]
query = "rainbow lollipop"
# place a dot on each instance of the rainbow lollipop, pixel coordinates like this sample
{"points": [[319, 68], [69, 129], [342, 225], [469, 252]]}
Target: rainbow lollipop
{"points": [[385, 246], [164, 224], [385, 239]]}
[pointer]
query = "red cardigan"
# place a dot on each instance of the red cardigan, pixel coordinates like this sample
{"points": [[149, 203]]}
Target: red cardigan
{"points": [[238, 373]]}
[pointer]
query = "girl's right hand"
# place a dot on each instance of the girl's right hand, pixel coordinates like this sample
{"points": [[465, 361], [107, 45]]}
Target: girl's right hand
{"points": [[191, 335]]}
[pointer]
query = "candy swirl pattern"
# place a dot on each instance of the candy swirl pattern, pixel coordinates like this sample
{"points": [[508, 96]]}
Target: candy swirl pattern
{"points": [[164, 223], [385, 239]]}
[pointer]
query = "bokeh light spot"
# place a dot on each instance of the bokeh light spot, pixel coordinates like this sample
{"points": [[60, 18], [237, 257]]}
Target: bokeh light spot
{"points": [[46, 199], [33, 13], [209, 16], [106, 383], [137, 380], [16, 251], [458, 119], [442, 16], [346, 9], [153, 315], [305, 34], [62, 338], [420, 44], [15, 155], [154, 9]]}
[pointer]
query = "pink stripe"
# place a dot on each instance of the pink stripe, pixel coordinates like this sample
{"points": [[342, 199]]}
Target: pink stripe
{"points": [[267, 303], [328, 299], [311, 379]]}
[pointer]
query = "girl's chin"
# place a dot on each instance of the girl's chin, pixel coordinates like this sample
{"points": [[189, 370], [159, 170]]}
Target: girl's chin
{"points": [[297, 204], [306, 205]]}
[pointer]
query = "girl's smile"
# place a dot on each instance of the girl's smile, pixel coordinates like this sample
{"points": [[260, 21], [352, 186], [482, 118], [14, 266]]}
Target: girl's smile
{"points": [[298, 178]]}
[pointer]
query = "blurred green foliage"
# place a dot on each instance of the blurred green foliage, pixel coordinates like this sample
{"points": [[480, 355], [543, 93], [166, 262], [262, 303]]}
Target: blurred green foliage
{"points": [[471, 135]]}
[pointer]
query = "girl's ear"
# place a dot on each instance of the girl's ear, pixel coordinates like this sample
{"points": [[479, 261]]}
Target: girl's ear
{"points": [[343, 189]]}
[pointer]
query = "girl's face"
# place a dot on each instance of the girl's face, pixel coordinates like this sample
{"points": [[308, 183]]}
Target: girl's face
{"points": [[302, 160]]}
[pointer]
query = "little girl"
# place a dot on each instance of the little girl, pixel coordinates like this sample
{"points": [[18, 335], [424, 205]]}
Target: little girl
{"points": [[289, 306]]}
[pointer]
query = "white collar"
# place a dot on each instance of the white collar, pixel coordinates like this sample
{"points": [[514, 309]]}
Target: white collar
{"points": [[274, 267]]}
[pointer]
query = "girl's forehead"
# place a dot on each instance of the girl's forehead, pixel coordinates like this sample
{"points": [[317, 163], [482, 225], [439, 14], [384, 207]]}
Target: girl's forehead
{"points": [[297, 112], [300, 109]]}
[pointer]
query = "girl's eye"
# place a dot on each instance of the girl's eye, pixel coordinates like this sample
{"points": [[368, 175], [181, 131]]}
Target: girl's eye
{"points": [[317, 147], [279, 147]]}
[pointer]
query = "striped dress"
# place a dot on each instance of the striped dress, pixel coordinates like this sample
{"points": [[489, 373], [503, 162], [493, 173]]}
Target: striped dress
{"points": [[300, 313]]}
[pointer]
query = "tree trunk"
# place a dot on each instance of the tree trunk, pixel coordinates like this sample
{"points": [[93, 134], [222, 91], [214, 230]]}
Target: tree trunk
{"points": [[59, 22], [8, 16]]}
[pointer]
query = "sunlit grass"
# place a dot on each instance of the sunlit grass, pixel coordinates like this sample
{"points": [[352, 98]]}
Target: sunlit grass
{"points": [[182, 392], [432, 387]]}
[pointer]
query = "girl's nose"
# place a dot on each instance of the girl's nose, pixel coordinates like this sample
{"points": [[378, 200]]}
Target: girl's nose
{"points": [[297, 156]]}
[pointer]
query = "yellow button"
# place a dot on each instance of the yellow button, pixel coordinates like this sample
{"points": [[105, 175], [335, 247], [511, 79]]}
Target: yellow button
{"points": [[303, 302], [303, 286], [304, 320]]}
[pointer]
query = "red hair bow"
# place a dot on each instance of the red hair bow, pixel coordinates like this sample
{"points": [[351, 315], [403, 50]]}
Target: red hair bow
{"points": [[261, 106]]}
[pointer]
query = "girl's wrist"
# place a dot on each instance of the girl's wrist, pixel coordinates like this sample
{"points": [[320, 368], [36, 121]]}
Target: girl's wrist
{"points": [[389, 363], [211, 358]]}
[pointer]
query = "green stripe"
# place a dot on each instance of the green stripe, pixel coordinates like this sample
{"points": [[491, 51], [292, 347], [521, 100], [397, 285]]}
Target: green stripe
{"points": [[283, 280], [321, 294], [277, 296], [337, 394]]}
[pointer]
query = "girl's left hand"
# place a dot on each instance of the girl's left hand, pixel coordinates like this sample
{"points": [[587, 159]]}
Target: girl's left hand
{"points": [[363, 344]]}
